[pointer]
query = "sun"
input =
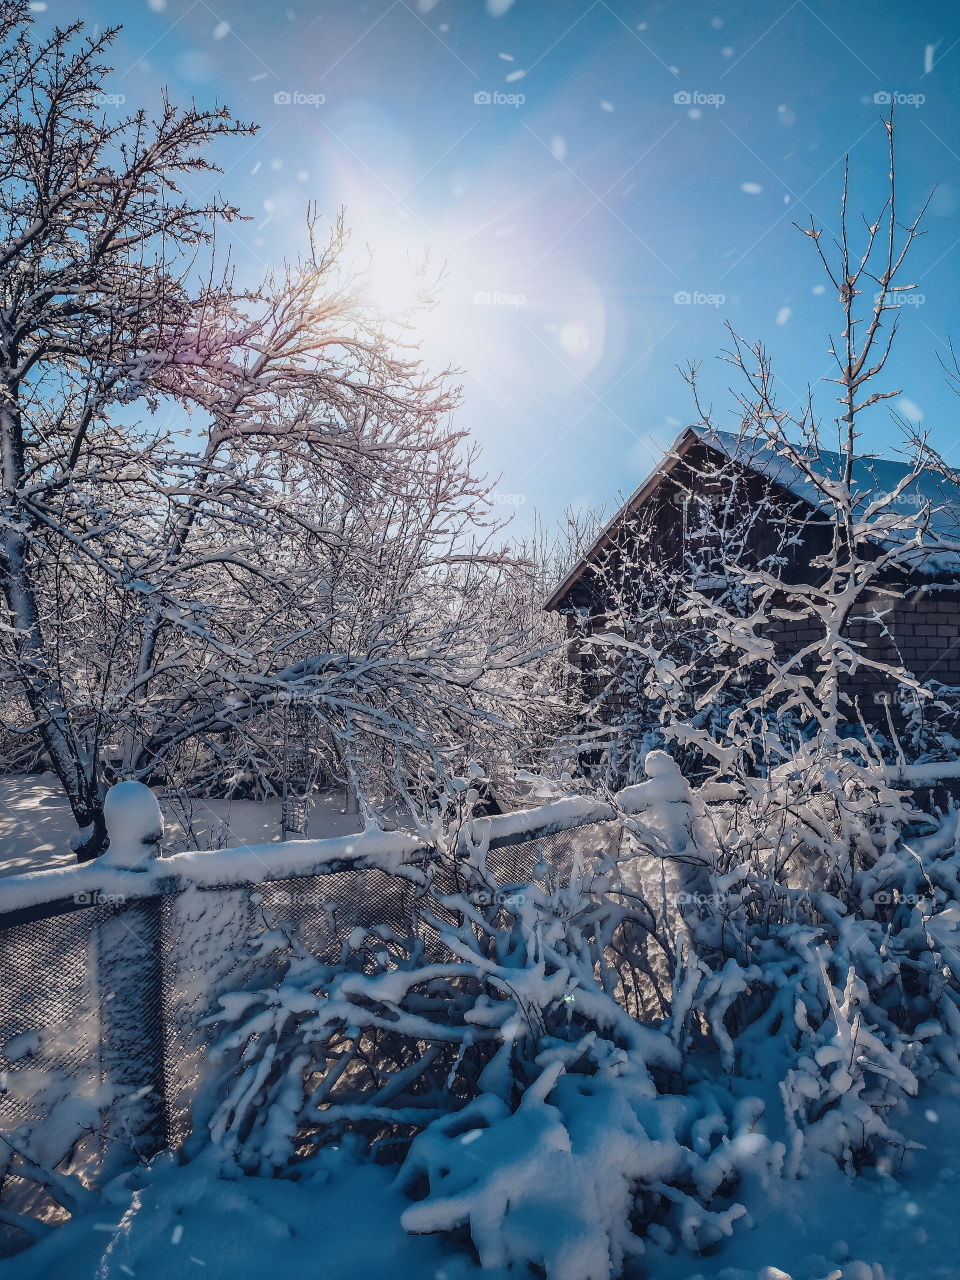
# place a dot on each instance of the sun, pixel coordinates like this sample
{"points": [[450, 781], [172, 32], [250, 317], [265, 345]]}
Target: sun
{"points": [[399, 280]]}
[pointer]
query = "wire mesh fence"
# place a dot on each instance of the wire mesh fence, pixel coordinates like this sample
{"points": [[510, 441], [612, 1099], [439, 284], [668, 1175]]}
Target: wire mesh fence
{"points": [[105, 1003]]}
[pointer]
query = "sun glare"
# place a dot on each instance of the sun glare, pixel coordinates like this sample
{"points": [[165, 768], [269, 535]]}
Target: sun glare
{"points": [[399, 279]]}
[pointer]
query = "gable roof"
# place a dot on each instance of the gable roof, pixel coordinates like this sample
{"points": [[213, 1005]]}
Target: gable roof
{"points": [[872, 477]]}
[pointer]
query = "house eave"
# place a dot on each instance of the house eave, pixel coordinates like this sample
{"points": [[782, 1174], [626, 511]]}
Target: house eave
{"points": [[684, 441]]}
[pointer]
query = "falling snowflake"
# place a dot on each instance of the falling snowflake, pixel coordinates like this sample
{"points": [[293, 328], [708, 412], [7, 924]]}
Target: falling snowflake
{"points": [[574, 338], [912, 412]]}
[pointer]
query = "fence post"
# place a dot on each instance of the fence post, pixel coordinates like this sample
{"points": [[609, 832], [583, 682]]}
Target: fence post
{"points": [[130, 981], [132, 1054]]}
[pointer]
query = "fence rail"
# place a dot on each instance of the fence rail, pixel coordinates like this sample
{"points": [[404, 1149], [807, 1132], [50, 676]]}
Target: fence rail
{"points": [[109, 975]]}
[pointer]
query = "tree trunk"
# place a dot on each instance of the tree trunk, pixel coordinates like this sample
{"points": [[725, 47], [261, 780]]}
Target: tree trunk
{"points": [[39, 684], [92, 840]]}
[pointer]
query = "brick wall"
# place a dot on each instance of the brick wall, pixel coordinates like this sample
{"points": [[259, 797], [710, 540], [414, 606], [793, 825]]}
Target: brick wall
{"points": [[928, 636], [924, 637]]}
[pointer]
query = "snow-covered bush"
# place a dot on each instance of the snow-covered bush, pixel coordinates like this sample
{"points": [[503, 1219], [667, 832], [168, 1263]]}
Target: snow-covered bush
{"points": [[793, 937], [813, 945], [488, 1046]]}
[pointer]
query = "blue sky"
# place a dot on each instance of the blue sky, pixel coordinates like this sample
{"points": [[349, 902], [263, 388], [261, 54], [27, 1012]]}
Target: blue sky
{"points": [[572, 209]]}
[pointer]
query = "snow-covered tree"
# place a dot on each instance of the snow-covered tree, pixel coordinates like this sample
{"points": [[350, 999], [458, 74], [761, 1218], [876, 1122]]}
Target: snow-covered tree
{"points": [[697, 643], [217, 502]]}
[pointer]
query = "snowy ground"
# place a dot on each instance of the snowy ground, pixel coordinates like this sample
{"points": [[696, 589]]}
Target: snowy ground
{"points": [[874, 1227], [340, 1221], [36, 823]]}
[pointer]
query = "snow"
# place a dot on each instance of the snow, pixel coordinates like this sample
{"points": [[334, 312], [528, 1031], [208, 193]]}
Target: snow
{"points": [[189, 1222], [872, 478], [86, 882], [925, 775], [36, 825], [388, 849], [743, 1160], [134, 825], [557, 815], [339, 1219], [742, 1170], [872, 1227]]}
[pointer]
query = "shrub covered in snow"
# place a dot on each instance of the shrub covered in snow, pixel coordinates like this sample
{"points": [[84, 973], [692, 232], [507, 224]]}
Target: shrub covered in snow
{"points": [[802, 1000], [491, 1049]]}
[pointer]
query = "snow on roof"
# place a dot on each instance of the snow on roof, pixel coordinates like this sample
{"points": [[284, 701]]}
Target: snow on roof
{"points": [[872, 477]]}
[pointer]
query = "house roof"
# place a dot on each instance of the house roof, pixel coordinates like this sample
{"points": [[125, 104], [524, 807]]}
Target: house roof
{"points": [[872, 477]]}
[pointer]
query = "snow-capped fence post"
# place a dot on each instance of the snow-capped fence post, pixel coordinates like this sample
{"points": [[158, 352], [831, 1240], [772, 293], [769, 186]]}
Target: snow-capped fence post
{"points": [[134, 826], [130, 981]]}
